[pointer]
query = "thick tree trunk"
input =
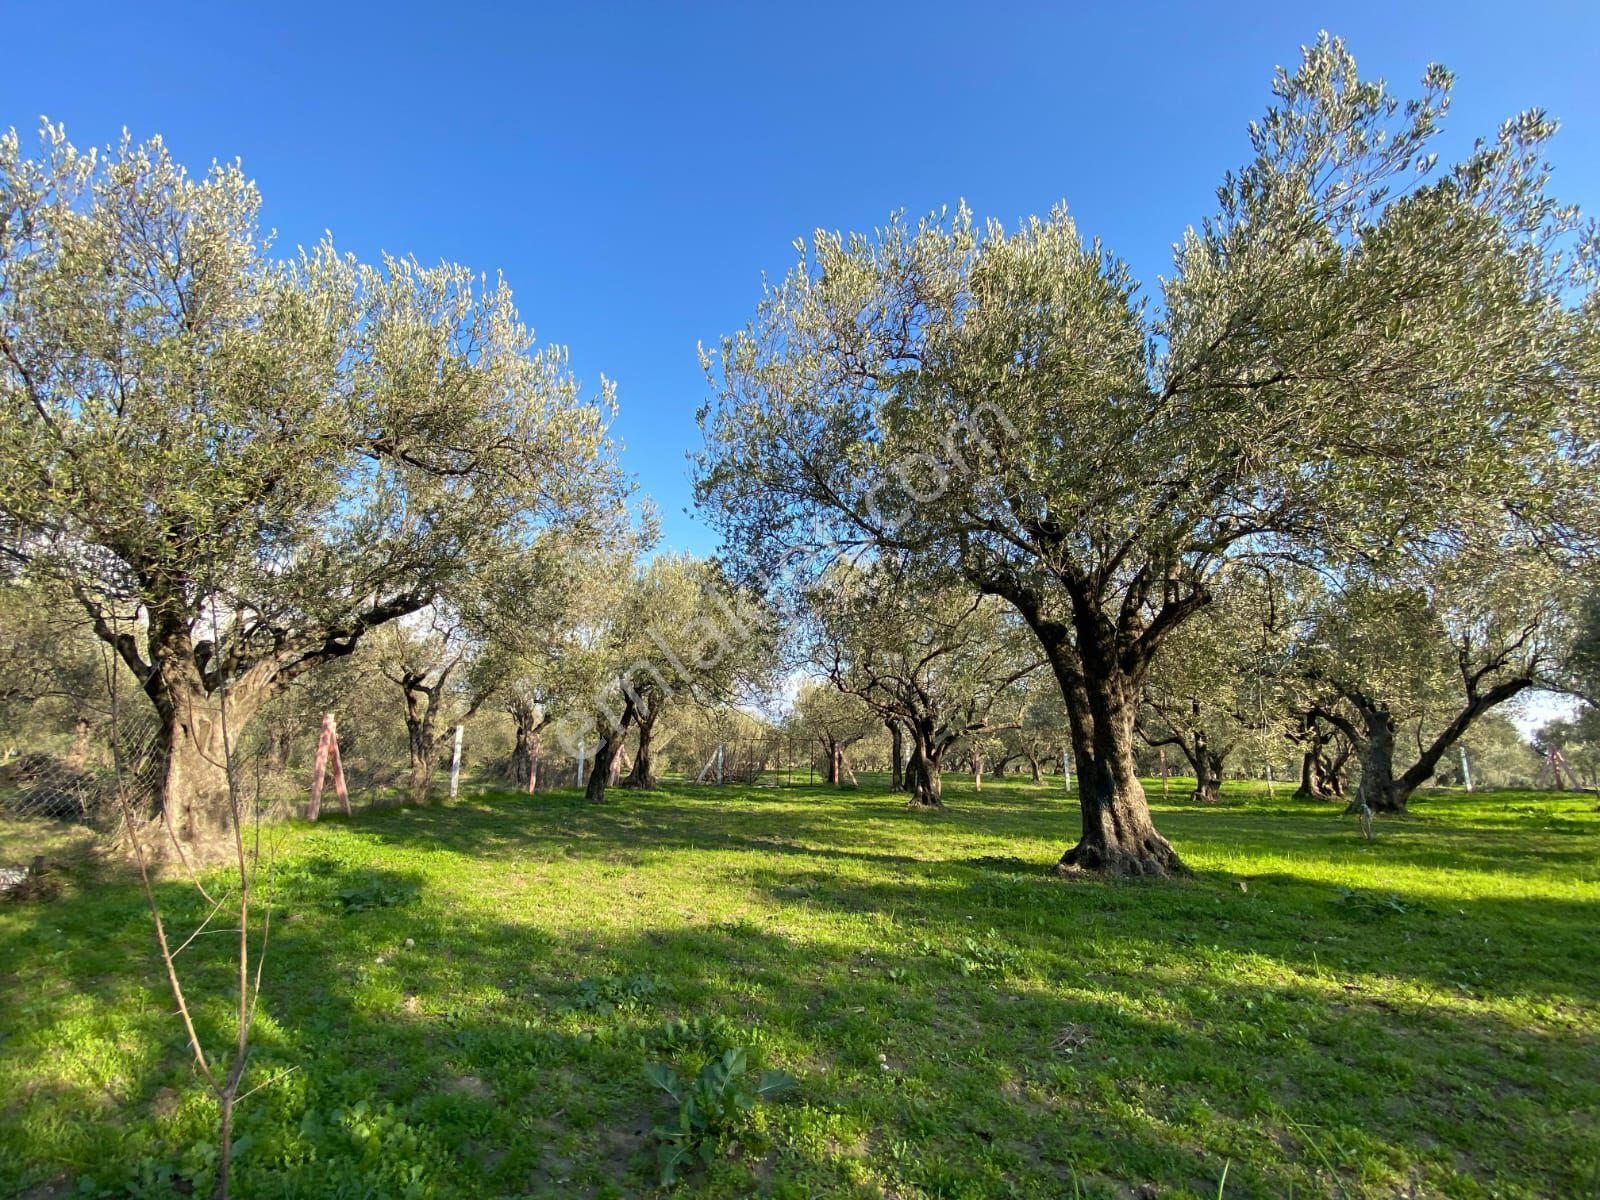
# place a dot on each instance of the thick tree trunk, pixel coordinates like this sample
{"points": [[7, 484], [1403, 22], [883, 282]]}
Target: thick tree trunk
{"points": [[1033, 766], [195, 793], [643, 774], [1096, 668], [195, 796], [1308, 777], [421, 775], [834, 753], [1378, 789], [603, 769], [528, 722], [1207, 771], [927, 791], [897, 773], [1321, 778], [600, 771], [913, 771], [420, 742], [1119, 837]]}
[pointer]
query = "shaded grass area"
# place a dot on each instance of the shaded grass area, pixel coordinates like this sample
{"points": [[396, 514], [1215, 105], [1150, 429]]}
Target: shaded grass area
{"points": [[1319, 1016]]}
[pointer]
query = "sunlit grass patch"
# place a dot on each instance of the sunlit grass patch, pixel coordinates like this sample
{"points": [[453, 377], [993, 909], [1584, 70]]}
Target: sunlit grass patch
{"points": [[470, 995]]}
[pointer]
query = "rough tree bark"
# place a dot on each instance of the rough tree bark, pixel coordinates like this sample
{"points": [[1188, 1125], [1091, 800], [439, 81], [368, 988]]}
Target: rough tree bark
{"points": [[1207, 765], [605, 754], [897, 772], [643, 774], [913, 770], [528, 720], [1383, 790], [190, 681], [1321, 774], [1100, 680], [927, 789], [420, 741], [1119, 836], [195, 773], [197, 725]]}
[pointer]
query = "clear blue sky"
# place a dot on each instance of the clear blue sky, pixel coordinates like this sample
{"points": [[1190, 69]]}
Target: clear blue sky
{"points": [[634, 169]]}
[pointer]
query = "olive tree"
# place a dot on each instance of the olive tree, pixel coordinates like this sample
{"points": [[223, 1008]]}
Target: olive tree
{"points": [[1039, 733], [526, 621], [942, 664], [1353, 342], [431, 662], [1212, 690], [669, 631], [1403, 667], [833, 719], [239, 463]]}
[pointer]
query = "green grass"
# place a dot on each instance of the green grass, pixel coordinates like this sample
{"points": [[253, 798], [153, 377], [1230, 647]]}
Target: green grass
{"points": [[1310, 1014]]}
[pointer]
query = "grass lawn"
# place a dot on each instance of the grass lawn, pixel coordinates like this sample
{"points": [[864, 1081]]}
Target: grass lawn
{"points": [[470, 994]]}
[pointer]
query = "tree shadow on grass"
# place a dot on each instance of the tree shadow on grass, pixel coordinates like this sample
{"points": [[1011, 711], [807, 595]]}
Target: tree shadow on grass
{"points": [[800, 822], [485, 1064], [1036, 1033], [1501, 946]]}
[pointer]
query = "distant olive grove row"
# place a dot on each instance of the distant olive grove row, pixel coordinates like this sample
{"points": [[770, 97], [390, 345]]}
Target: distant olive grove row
{"points": [[1323, 501]]}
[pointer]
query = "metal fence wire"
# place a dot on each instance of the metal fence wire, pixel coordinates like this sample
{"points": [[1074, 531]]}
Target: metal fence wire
{"points": [[76, 777]]}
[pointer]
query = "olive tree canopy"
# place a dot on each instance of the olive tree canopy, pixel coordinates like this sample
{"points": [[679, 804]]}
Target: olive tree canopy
{"points": [[1356, 342], [241, 463]]}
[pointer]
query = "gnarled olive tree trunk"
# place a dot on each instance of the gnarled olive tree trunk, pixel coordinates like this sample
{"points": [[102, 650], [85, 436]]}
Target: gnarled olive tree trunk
{"points": [[913, 772], [1102, 697], [421, 743], [1119, 837], [199, 726], [1099, 670], [1321, 777], [195, 787], [1207, 765], [603, 770], [643, 774], [926, 783], [1381, 788], [528, 721]]}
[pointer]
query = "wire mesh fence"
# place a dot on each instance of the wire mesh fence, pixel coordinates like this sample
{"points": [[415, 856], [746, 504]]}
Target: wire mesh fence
{"points": [[77, 777]]}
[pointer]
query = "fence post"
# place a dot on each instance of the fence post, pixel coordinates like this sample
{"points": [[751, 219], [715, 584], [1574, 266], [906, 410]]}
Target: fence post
{"points": [[1466, 769], [578, 770], [722, 750], [455, 765]]}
